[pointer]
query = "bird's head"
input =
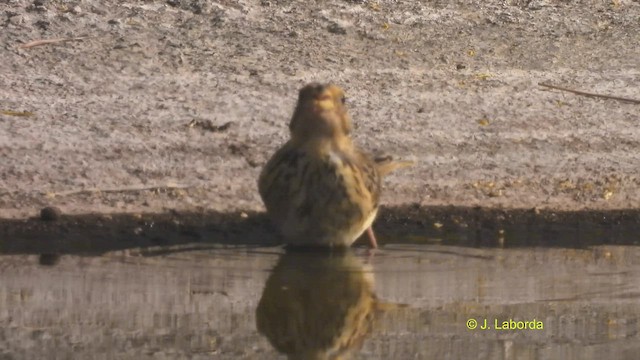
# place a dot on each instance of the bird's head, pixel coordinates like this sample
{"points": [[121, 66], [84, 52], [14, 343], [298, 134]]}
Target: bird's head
{"points": [[320, 113]]}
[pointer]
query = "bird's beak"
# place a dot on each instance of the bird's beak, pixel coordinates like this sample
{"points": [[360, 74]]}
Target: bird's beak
{"points": [[323, 103]]}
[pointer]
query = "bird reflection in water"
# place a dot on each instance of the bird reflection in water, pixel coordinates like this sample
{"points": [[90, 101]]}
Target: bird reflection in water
{"points": [[319, 305]]}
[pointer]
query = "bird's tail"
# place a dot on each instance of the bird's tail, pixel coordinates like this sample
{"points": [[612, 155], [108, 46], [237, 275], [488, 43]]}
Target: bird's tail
{"points": [[386, 165]]}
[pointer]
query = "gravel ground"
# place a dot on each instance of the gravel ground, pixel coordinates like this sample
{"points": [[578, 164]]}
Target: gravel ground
{"points": [[197, 94]]}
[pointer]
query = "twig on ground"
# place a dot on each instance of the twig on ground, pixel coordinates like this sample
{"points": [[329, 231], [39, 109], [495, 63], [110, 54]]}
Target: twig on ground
{"points": [[122, 189], [584, 93], [16, 113], [50, 41], [209, 126]]}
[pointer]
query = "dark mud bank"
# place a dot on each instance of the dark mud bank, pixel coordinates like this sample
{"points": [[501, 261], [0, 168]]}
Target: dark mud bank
{"points": [[94, 234]]}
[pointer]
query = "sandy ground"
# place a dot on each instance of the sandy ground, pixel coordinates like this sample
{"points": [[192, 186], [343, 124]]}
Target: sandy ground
{"points": [[198, 94]]}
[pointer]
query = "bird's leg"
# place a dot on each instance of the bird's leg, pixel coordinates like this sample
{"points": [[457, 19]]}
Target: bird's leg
{"points": [[372, 238]]}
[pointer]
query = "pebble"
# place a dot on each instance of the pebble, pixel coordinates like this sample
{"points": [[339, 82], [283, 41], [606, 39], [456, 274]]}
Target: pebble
{"points": [[50, 213], [336, 29], [49, 259]]}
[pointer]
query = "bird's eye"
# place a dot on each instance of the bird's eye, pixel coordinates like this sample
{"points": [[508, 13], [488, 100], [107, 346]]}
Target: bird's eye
{"points": [[343, 100]]}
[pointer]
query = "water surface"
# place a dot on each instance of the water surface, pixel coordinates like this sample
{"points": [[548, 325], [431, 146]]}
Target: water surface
{"points": [[200, 297], [407, 301]]}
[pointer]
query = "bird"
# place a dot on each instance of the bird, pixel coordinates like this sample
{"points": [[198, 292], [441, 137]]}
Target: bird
{"points": [[321, 305], [319, 188]]}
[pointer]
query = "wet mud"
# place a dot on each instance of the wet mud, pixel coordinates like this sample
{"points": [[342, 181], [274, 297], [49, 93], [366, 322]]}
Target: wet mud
{"points": [[94, 234]]}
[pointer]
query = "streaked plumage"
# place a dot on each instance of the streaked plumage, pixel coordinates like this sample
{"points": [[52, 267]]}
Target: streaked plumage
{"points": [[320, 306], [319, 188]]}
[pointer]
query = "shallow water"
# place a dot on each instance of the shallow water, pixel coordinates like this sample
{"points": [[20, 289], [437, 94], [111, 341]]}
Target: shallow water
{"points": [[216, 286], [402, 302]]}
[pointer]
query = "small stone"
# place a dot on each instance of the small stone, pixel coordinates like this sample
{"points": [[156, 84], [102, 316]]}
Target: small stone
{"points": [[39, 5], [536, 4], [49, 259], [42, 24], [76, 10], [18, 19], [50, 213], [336, 29]]}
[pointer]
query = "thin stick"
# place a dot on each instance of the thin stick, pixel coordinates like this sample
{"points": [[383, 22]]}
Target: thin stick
{"points": [[50, 41], [123, 189], [584, 93], [16, 113]]}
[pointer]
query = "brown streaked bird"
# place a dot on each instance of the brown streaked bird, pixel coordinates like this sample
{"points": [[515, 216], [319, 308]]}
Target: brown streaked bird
{"points": [[319, 188], [321, 306]]}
